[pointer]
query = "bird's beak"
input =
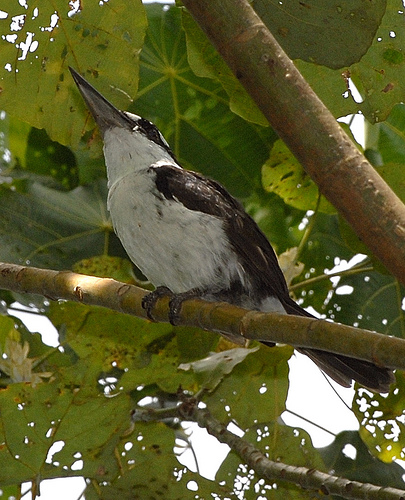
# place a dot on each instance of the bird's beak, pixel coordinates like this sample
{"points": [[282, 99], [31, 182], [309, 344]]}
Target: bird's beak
{"points": [[104, 113]]}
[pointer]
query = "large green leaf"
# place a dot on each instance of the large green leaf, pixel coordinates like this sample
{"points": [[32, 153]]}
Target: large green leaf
{"points": [[46, 157], [378, 74], [391, 137], [280, 222], [255, 391], [388, 143], [107, 336], [49, 228], [149, 470], [206, 62], [90, 434], [85, 414], [144, 353], [324, 248], [41, 39], [70, 412], [193, 112], [15, 141], [367, 299], [302, 28]]}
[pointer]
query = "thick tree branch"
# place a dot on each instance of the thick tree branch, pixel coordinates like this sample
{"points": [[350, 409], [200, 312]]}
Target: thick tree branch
{"points": [[271, 471], [229, 320], [342, 173]]}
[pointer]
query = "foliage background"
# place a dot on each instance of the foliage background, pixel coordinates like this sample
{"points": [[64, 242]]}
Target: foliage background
{"points": [[156, 62]]}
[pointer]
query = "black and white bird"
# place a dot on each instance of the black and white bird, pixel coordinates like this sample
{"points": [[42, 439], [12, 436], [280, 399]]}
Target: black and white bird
{"points": [[186, 233]]}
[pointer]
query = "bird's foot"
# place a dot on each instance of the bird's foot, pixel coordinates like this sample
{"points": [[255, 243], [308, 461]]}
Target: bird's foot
{"points": [[175, 302], [149, 301]]}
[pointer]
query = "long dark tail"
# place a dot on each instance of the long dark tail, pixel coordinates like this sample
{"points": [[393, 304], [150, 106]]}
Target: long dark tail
{"points": [[343, 369]]}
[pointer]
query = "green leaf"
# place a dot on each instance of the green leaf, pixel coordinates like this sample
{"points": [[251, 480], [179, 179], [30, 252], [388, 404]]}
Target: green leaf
{"points": [[82, 420], [194, 343], [391, 137], [380, 73], [330, 86], [324, 249], [107, 336], [149, 469], [371, 301], [349, 457], [10, 492], [280, 222], [135, 351], [46, 157], [54, 229], [255, 391], [159, 369], [193, 112], [205, 61], [283, 174], [381, 420], [394, 176], [333, 35], [106, 266], [386, 143], [15, 139], [40, 41]]}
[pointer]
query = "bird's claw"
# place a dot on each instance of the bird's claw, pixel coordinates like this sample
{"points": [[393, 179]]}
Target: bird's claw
{"points": [[175, 302], [149, 300]]}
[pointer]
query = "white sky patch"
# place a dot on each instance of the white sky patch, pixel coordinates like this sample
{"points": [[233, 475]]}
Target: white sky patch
{"points": [[55, 448]]}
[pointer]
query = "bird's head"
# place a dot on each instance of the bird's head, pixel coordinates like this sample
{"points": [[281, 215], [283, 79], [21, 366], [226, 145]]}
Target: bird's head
{"points": [[132, 134]]}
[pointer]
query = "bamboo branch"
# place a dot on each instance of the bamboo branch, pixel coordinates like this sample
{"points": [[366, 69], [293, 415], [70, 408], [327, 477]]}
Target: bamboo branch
{"points": [[298, 116], [229, 320]]}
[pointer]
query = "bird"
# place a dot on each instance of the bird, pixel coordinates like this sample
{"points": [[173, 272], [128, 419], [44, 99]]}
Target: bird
{"points": [[191, 238]]}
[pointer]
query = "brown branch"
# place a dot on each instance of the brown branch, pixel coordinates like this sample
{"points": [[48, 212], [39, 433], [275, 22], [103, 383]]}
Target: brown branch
{"points": [[342, 173], [240, 324], [277, 471], [272, 471]]}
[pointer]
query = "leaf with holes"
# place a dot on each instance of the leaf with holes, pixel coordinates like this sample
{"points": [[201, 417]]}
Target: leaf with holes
{"points": [[71, 413], [39, 41], [381, 419], [256, 389]]}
